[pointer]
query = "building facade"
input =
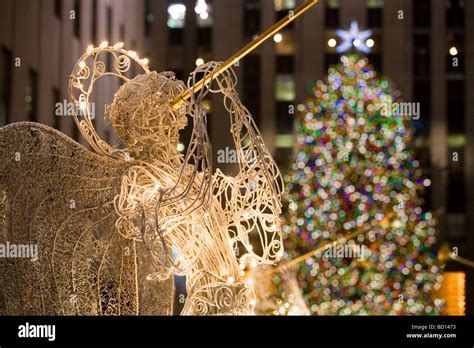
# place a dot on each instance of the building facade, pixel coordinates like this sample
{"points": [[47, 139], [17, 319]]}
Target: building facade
{"points": [[421, 45], [41, 41]]}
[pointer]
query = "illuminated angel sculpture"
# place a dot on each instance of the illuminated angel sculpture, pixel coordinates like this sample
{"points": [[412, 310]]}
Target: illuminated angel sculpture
{"points": [[113, 227]]}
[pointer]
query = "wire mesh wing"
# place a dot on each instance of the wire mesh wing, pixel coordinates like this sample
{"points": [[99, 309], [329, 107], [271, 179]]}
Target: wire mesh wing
{"points": [[61, 252]]}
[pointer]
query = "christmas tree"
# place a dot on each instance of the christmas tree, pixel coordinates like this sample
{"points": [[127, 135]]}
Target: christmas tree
{"points": [[355, 173]]}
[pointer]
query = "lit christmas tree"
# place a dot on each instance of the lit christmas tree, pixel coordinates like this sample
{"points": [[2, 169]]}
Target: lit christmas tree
{"points": [[354, 172]]}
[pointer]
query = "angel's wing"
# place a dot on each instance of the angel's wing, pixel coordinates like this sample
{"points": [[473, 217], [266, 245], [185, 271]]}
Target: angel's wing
{"points": [[60, 252]]}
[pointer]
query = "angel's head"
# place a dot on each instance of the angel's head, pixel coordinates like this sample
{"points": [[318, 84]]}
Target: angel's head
{"points": [[143, 118]]}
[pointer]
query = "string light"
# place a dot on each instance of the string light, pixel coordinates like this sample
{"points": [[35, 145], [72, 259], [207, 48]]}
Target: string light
{"points": [[89, 49], [202, 9]]}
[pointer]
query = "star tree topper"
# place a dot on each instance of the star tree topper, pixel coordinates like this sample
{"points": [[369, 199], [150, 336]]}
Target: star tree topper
{"points": [[353, 38]]}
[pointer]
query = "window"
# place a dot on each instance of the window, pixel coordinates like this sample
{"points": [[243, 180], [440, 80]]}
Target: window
{"points": [[284, 118], [282, 14], [332, 41], [421, 57], [456, 191], [252, 18], [375, 60], [284, 5], [31, 96], [176, 22], [455, 106], [455, 54], [330, 59], [5, 85], [203, 9], [205, 38], [455, 13], [58, 8], [77, 19], [285, 64], [375, 3], [423, 156], [422, 14], [281, 158], [252, 85], [426, 206], [285, 45], [374, 13], [456, 225], [375, 55], [332, 14], [422, 94], [176, 37], [285, 88]]}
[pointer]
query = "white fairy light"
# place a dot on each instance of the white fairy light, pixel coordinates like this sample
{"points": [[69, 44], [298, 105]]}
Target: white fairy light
{"points": [[118, 45], [177, 11], [278, 38]]}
